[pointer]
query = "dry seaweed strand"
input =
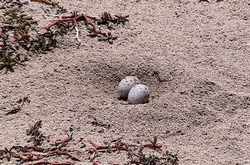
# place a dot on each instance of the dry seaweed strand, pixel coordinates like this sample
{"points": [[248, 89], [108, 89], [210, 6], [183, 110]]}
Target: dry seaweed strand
{"points": [[5, 4], [21, 102], [14, 35], [20, 36], [36, 154], [136, 156], [91, 23], [37, 136], [120, 146], [135, 153]]}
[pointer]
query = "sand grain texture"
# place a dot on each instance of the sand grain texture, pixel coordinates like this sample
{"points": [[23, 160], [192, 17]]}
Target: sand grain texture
{"points": [[200, 108]]}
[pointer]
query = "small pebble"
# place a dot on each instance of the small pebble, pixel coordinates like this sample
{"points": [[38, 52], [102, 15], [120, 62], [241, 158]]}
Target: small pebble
{"points": [[139, 94], [125, 85]]}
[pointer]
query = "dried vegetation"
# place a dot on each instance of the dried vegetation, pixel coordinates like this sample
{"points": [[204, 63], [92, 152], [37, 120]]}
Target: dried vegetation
{"points": [[21, 37]]}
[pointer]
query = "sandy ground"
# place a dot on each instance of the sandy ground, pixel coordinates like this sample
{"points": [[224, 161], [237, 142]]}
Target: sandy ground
{"points": [[200, 109]]}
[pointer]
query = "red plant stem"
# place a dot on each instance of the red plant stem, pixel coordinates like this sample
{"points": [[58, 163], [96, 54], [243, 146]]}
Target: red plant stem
{"points": [[64, 141], [122, 147], [74, 19], [58, 152], [93, 144]]}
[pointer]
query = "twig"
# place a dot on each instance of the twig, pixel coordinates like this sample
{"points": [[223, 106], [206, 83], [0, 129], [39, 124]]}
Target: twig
{"points": [[90, 22], [59, 153], [62, 143], [14, 111], [77, 35], [21, 101]]}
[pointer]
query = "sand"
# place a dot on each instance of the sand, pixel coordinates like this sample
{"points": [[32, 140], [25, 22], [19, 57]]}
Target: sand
{"points": [[199, 109]]}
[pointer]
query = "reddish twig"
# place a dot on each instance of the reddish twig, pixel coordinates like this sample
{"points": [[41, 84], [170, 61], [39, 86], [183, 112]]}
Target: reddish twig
{"points": [[120, 146], [88, 20], [35, 153], [62, 143], [65, 153], [30, 156]]}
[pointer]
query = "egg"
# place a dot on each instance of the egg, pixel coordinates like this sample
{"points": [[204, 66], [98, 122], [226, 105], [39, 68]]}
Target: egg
{"points": [[139, 94], [125, 85]]}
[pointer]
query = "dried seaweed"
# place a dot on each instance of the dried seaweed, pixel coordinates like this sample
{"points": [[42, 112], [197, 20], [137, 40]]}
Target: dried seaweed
{"points": [[91, 23], [21, 37], [14, 111], [135, 153], [140, 158], [5, 4], [36, 154], [14, 35], [37, 136], [18, 108], [98, 123], [109, 20]]}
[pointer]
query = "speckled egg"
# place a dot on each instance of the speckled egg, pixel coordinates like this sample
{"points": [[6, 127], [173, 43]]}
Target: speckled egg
{"points": [[139, 94], [125, 85]]}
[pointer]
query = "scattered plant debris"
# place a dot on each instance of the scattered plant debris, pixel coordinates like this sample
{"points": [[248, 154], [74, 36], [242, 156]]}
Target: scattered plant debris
{"points": [[18, 108], [141, 158], [5, 4], [21, 37], [38, 155], [23, 100], [37, 137], [14, 34], [14, 111], [35, 154], [91, 24], [99, 123], [30, 154], [135, 153], [120, 146]]}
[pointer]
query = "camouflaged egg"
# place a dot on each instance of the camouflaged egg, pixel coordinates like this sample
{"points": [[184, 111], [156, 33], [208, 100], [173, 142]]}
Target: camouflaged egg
{"points": [[139, 94], [125, 85]]}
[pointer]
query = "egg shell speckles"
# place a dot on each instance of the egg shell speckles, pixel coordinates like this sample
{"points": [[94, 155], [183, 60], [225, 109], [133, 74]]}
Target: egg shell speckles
{"points": [[139, 94], [125, 85]]}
